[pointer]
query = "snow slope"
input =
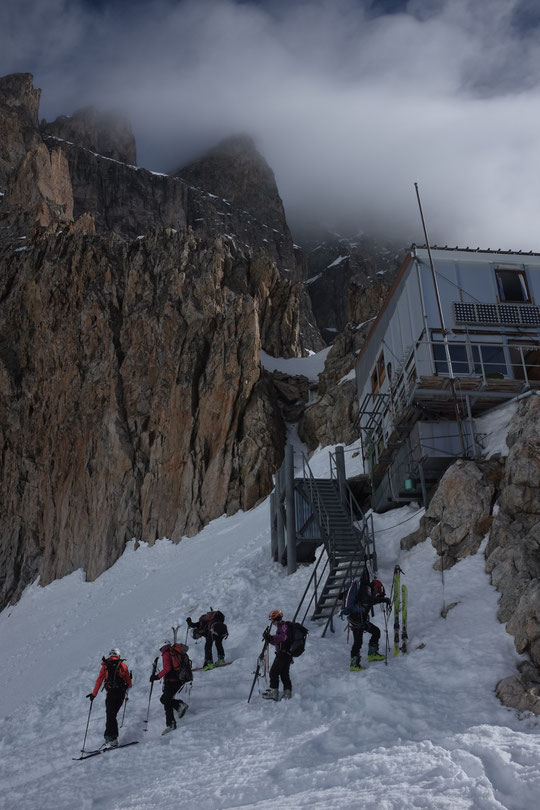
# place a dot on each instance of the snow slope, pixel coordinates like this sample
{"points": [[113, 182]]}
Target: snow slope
{"points": [[424, 731]]}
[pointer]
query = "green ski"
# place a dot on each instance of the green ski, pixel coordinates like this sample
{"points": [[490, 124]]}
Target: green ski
{"points": [[404, 636], [397, 592]]}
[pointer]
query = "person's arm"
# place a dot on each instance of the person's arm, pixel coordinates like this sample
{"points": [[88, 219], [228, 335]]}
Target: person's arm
{"points": [[167, 665], [100, 678], [125, 675]]}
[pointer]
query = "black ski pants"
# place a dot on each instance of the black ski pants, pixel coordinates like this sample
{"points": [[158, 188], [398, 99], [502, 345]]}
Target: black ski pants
{"points": [[113, 702], [358, 634], [209, 641], [280, 669], [170, 688]]}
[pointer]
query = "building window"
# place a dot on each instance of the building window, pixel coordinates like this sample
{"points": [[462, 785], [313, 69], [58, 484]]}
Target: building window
{"points": [[458, 357], [512, 285], [378, 375], [491, 358]]}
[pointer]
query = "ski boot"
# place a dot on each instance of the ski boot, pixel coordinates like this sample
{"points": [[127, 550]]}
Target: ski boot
{"points": [[355, 664], [271, 694], [220, 662], [287, 694], [182, 709], [113, 743], [375, 655], [170, 728], [208, 665]]}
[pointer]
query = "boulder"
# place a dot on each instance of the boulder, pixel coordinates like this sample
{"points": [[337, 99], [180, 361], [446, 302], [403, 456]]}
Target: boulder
{"points": [[456, 519], [521, 692]]}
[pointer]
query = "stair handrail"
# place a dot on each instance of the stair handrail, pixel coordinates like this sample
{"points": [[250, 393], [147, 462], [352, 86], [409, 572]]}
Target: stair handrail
{"points": [[323, 520], [312, 580], [319, 510], [367, 534], [347, 578]]}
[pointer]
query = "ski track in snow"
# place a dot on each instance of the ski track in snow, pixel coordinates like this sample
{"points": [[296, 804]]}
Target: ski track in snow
{"points": [[425, 731]]}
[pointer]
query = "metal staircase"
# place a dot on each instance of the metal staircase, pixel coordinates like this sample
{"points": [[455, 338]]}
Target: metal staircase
{"points": [[348, 543]]}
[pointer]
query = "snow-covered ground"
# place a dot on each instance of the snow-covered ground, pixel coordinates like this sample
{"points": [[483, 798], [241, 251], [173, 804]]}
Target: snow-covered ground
{"points": [[423, 731]]}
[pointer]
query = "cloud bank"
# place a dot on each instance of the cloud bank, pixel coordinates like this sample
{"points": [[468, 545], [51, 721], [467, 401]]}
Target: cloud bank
{"points": [[350, 106]]}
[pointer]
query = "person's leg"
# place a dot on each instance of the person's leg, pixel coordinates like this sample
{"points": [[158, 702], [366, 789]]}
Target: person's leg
{"points": [[284, 671], [219, 647], [113, 702], [208, 641], [167, 698]]}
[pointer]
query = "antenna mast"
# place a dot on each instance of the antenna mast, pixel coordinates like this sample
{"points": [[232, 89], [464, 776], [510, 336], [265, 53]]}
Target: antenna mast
{"points": [[443, 328]]}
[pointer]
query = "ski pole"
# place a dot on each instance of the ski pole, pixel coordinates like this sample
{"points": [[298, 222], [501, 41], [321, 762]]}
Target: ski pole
{"points": [[124, 712], [87, 724], [150, 695], [125, 702], [260, 661]]}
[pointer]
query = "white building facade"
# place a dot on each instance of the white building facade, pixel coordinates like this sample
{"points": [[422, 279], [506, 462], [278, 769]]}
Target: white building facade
{"points": [[458, 334]]}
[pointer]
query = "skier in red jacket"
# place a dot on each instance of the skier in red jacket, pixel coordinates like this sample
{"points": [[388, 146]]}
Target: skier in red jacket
{"points": [[174, 708], [116, 678]]}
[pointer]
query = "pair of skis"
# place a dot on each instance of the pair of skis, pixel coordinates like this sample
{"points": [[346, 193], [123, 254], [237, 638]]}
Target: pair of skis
{"points": [[400, 597], [88, 754]]}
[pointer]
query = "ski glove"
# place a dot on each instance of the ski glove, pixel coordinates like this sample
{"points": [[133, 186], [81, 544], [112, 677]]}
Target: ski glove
{"points": [[266, 635], [189, 622], [91, 697], [153, 678]]}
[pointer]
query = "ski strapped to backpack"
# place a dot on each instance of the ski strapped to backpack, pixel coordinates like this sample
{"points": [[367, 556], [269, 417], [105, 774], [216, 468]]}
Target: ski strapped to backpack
{"points": [[297, 638], [180, 660]]}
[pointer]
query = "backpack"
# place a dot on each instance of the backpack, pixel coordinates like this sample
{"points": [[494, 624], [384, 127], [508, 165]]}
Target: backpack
{"points": [[181, 662], [206, 621], [351, 599], [113, 680], [297, 638]]}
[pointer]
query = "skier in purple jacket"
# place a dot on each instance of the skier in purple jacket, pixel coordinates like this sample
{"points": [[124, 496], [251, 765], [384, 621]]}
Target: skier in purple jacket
{"points": [[282, 661]]}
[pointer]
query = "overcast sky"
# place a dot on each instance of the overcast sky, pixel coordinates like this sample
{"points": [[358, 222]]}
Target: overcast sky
{"points": [[350, 101]]}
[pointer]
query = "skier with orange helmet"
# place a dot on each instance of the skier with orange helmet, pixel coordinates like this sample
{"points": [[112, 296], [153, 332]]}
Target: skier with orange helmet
{"points": [[282, 661]]}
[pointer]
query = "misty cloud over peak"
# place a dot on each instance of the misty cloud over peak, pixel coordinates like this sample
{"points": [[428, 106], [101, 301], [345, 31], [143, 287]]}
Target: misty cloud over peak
{"points": [[350, 102]]}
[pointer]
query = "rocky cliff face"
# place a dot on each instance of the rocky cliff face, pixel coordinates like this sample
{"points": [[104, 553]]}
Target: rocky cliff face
{"points": [[106, 133], [499, 497], [131, 397], [131, 394], [35, 183], [236, 175], [330, 419], [338, 269]]}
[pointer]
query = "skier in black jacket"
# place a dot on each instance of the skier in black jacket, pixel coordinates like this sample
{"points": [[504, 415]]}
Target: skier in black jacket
{"points": [[210, 626], [369, 594]]}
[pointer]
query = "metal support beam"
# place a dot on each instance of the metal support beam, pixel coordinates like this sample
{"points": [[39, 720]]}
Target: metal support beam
{"points": [[279, 516], [289, 508], [273, 526], [340, 466]]}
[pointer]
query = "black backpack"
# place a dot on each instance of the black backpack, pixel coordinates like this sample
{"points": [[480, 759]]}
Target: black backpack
{"points": [[206, 624], [297, 638], [112, 678]]}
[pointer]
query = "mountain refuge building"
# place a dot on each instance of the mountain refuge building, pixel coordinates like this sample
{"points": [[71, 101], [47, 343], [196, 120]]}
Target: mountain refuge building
{"points": [[458, 334]]}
